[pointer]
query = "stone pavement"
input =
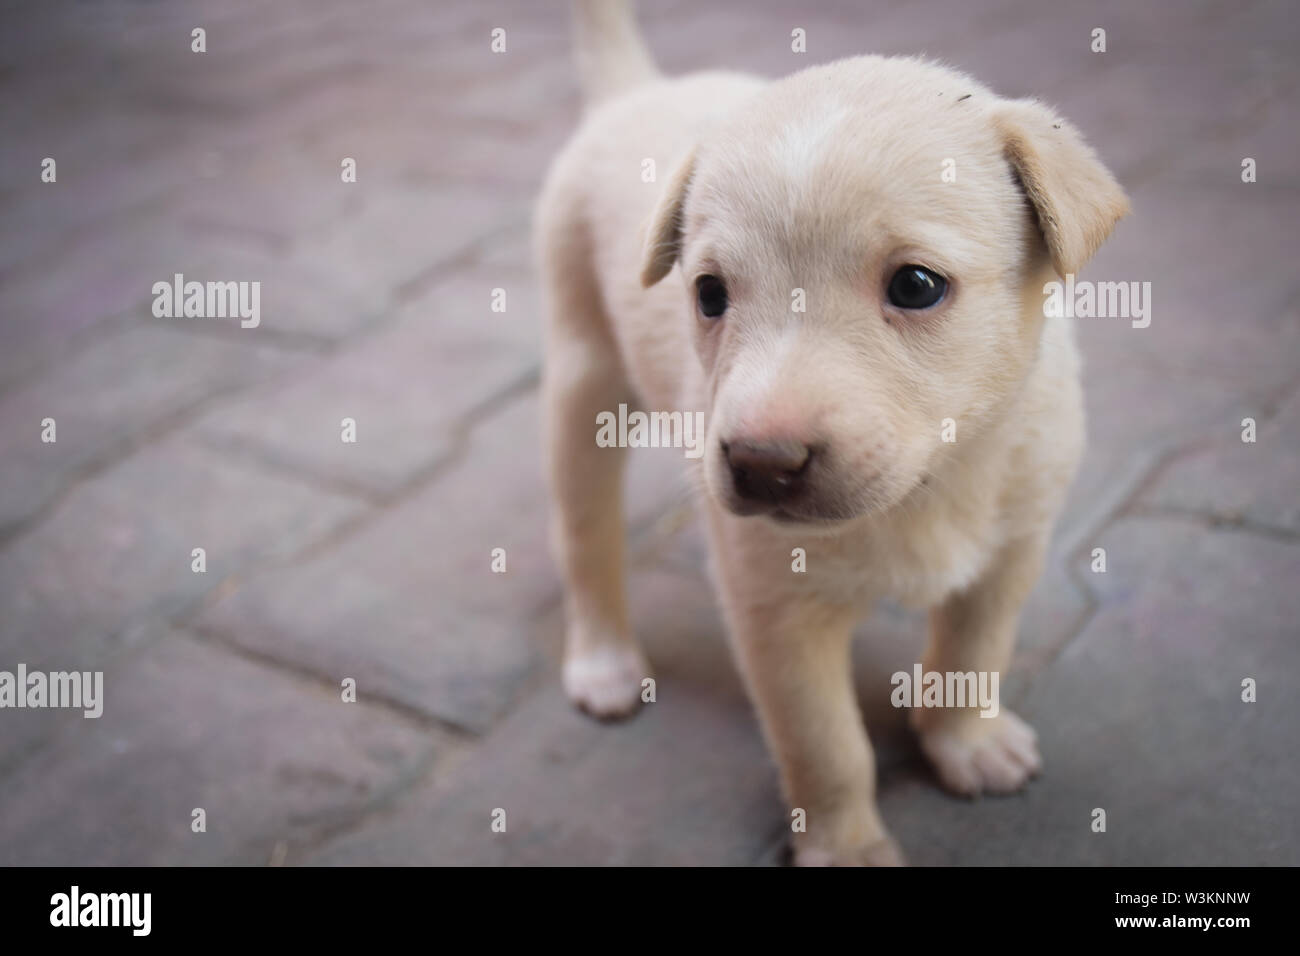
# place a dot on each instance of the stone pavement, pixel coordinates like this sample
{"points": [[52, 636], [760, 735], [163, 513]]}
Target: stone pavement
{"points": [[328, 560]]}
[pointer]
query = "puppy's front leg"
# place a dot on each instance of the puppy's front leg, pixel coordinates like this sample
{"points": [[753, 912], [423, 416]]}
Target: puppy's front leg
{"points": [[794, 656], [975, 631], [603, 666]]}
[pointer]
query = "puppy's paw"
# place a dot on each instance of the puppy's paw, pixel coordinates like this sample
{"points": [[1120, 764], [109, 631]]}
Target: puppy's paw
{"points": [[883, 852], [606, 681], [975, 755]]}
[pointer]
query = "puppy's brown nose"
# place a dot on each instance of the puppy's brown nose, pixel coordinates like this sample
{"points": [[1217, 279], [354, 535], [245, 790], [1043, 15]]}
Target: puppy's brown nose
{"points": [[767, 470]]}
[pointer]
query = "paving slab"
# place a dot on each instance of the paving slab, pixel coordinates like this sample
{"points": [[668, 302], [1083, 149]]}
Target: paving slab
{"points": [[409, 603], [104, 275], [407, 388], [1213, 353], [116, 554], [107, 397], [1233, 481], [272, 759], [686, 781], [277, 196], [396, 238], [1162, 90]]}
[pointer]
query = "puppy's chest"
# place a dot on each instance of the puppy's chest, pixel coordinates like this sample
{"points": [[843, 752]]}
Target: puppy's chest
{"points": [[917, 560]]}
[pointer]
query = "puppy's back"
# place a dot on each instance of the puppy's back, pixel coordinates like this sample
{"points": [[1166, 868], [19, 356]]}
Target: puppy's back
{"points": [[598, 196]]}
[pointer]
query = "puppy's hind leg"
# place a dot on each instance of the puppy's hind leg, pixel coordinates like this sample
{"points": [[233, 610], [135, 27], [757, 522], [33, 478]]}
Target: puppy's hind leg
{"points": [[603, 667]]}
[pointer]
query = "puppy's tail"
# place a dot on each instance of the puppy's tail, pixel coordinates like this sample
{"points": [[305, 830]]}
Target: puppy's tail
{"points": [[612, 56]]}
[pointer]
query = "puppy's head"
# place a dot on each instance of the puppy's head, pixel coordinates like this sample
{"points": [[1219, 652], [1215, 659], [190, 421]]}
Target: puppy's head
{"points": [[864, 247]]}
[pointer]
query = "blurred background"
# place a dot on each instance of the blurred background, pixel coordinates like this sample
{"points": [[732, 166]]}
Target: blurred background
{"points": [[371, 561]]}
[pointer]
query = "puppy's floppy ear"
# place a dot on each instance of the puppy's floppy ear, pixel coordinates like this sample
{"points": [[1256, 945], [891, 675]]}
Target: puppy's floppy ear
{"points": [[1076, 199], [664, 237]]}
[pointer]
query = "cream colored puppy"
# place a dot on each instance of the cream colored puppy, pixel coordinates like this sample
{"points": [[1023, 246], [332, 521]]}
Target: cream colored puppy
{"points": [[923, 320]]}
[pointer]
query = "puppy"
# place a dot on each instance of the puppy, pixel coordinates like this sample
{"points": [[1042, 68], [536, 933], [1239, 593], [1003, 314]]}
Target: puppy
{"points": [[913, 427]]}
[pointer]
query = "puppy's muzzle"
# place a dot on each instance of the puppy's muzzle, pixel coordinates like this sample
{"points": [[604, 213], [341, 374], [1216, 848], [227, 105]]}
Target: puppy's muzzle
{"points": [[767, 473]]}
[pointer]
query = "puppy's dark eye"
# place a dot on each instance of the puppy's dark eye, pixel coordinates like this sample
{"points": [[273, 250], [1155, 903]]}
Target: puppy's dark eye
{"points": [[712, 294], [915, 287]]}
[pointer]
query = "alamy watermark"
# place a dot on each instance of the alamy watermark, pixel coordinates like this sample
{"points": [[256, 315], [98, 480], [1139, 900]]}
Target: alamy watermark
{"points": [[949, 689], [82, 690], [638, 429], [179, 299], [130, 910], [1098, 300]]}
